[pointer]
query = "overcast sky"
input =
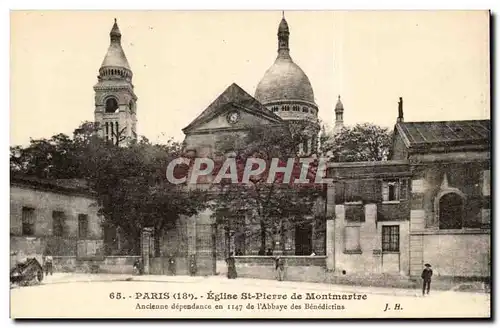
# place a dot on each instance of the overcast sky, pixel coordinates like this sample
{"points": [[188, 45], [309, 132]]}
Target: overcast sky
{"points": [[437, 61]]}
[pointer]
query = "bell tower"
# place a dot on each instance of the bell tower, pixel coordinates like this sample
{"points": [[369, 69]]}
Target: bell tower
{"points": [[115, 100]]}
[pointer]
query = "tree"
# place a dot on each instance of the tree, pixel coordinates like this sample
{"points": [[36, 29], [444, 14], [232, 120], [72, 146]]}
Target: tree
{"points": [[363, 142], [129, 182], [133, 191], [270, 203]]}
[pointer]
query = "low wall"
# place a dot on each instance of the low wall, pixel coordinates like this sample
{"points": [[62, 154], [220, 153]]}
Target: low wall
{"points": [[458, 255], [297, 268], [64, 263], [160, 266], [109, 264], [118, 264]]}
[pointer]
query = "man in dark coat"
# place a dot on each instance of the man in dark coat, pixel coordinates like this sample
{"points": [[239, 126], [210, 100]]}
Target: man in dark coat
{"points": [[426, 276], [231, 267]]}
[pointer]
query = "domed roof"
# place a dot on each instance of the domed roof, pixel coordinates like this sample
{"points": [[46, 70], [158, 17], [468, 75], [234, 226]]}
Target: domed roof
{"points": [[339, 106], [284, 80], [115, 57]]}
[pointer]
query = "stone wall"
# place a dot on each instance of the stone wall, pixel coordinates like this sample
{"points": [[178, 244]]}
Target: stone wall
{"points": [[368, 258], [109, 264], [463, 252], [44, 203], [297, 268], [458, 255]]}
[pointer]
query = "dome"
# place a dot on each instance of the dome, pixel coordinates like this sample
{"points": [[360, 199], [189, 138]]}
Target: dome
{"points": [[115, 57], [284, 80], [339, 106]]}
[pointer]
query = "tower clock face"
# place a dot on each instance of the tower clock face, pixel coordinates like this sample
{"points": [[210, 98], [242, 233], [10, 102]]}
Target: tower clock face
{"points": [[233, 117]]}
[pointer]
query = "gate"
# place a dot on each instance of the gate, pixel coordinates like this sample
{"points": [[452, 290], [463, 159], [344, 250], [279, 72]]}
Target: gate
{"points": [[206, 261]]}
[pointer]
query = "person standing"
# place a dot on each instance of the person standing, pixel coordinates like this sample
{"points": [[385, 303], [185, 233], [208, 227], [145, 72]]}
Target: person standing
{"points": [[426, 276], [48, 264], [231, 267], [280, 268]]}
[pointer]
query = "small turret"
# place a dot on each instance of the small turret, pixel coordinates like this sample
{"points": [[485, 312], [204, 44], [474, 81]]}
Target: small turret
{"points": [[339, 116]]}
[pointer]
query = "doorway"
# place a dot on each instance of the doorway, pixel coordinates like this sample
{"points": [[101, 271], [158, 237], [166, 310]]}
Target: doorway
{"points": [[303, 239]]}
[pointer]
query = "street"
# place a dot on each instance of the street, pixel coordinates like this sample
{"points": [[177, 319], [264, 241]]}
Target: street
{"points": [[125, 296]]}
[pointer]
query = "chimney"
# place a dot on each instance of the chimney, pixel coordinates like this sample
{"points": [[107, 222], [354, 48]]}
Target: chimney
{"points": [[400, 110]]}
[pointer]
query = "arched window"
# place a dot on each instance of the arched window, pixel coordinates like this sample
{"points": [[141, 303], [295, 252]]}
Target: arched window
{"points": [[451, 211], [111, 105]]}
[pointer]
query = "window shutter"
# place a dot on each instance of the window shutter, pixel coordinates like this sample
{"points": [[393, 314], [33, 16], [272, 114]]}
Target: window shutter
{"points": [[404, 189], [385, 191]]}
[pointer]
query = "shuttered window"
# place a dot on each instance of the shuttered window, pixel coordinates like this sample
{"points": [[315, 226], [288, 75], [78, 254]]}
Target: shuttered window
{"points": [[395, 190], [83, 226], [28, 221], [58, 221]]}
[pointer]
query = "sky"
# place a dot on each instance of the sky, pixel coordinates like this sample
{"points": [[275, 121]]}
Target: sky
{"points": [[438, 61]]}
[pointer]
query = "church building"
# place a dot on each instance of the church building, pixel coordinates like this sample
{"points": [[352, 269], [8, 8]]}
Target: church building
{"points": [[430, 202]]}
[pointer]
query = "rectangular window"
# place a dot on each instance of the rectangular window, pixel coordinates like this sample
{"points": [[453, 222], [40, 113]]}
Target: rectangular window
{"points": [[486, 182], [83, 226], [394, 190], [351, 239], [390, 238], [58, 220], [28, 221]]}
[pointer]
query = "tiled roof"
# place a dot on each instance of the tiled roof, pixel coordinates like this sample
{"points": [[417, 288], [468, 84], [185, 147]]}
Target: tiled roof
{"points": [[58, 185], [445, 133]]}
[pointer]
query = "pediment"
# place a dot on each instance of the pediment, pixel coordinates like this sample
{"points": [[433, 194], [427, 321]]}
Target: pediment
{"points": [[233, 100], [223, 120]]}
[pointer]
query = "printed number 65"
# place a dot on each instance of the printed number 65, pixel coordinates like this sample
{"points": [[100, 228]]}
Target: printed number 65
{"points": [[115, 296]]}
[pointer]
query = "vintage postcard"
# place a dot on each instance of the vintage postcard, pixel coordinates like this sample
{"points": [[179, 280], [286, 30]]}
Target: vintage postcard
{"points": [[250, 164]]}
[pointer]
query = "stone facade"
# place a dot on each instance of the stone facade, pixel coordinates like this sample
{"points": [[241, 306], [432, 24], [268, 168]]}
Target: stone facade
{"points": [[450, 195], [368, 226], [115, 99], [49, 216]]}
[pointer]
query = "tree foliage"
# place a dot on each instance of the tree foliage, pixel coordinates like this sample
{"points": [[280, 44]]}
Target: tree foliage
{"points": [[363, 142], [129, 181], [269, 203]]}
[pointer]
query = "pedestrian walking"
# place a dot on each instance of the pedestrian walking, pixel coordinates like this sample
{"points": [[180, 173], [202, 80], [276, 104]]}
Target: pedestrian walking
{"points": [[426, 276], [231, 267], [280, 268]]}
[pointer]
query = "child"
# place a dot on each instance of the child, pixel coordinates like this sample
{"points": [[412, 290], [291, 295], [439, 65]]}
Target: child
{"points": [[426, 276], [48, 264]]}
